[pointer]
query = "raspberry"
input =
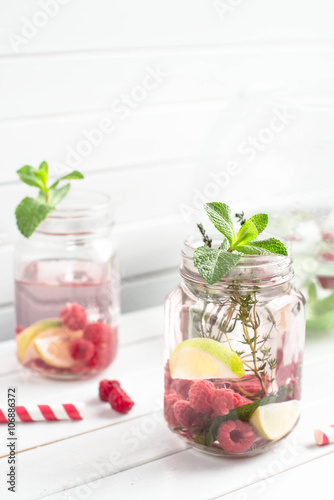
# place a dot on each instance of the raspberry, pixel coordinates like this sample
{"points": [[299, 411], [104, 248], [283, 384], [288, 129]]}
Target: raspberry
{"points": [[222, 401], [73, 316], [98, 333], [200, 395], [102, 357], [240, 400], [249, 385], [119, 400], [170, 398], [182, 387], [184, 413], [105, 388], [235, 436], [81, 349]]}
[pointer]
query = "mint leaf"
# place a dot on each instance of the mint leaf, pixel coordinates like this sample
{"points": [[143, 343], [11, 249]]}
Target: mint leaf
{"points": [[260, 221], [73, 175], [44, 167], [220, 216], [246, 411], [250, 250], [27, 175], [243, 413], [42, 173], [56, 195], [29, 214], [247, 232], [272, 245], [224, 245], [214, 263]]}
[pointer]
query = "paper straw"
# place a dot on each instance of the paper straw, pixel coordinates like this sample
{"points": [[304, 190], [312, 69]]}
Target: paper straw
{"points": [[325, 435], [53, 411]]}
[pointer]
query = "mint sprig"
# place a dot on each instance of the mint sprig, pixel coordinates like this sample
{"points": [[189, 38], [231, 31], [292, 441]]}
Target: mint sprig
{"points": [[214, 263], [32, 211]]}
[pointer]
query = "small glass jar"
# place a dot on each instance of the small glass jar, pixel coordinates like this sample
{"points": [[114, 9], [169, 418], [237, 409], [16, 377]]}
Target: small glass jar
{"points": [[67, 290], [256, 312]]}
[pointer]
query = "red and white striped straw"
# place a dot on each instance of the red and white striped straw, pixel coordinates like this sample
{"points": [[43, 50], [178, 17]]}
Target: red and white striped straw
{"points": [[325, 435], [54, 411]]}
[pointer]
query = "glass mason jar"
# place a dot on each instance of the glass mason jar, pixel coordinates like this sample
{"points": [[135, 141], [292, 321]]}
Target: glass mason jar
{"points": [[67, 290], [256, 312]]}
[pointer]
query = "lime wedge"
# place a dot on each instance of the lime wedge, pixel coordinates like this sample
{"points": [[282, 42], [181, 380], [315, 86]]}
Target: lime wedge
{"points": [[275, 420], [25, 338], [53, 348], [201, 358]]}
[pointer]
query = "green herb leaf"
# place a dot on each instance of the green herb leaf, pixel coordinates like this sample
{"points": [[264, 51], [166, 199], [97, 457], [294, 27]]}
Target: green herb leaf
{"points": [[247, 232], [250, 250], [243, 413], [56, 195], [272, 245], [27, 175], [73, 175], [214, 263], [260, 221], [224, 245], [220, 216], [42, 173], [29, 214]]}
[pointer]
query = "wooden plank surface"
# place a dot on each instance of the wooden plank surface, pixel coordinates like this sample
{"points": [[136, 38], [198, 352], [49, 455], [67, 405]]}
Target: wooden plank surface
{"points": [[135, 456], [124, 25]]}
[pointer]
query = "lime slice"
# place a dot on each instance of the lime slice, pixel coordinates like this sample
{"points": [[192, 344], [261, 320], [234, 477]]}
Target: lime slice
{"points": [[25, 338], [53, 347], [275, 420], [201, 358]]}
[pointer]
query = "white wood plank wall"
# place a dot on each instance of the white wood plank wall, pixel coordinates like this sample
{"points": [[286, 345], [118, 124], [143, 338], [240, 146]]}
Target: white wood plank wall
{"points": [[173, 77]]}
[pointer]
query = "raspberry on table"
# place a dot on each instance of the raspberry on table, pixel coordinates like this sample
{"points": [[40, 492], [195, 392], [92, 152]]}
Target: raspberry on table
{"points": [[119, 400], [199, 396], [222, 401], [73, 316], [81, 349], [184, 413], [105, 388], [98, 333], [170, 398], [235, 436]]}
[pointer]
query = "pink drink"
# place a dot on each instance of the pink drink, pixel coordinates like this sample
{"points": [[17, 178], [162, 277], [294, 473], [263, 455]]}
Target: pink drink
{"points": [[44, 290]]}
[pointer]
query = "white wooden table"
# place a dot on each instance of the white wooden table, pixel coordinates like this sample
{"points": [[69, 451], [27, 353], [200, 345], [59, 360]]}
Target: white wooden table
{"points": [[134, 456]]}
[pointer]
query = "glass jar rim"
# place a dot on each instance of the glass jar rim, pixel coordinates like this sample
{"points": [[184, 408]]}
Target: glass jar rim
{"points": [[81, 212], [69, 207], [261, 270]]}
